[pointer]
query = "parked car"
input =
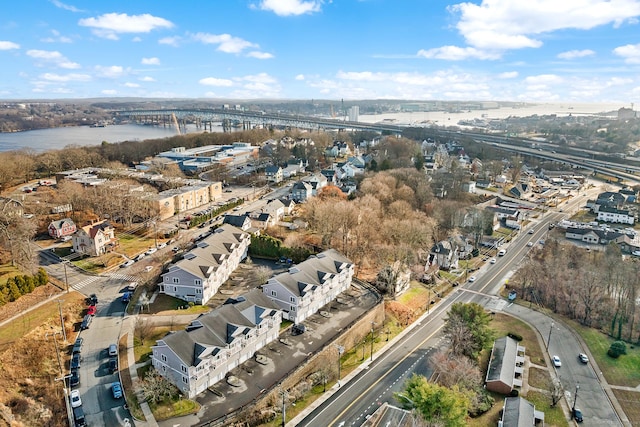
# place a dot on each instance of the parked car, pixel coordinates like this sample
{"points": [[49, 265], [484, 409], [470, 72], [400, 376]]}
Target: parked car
{"points": [[91, 310], [530, 244], [113, 350], [583, 358], [75, 361], [492, 260], [113, 365], [472, 278], [140, 257], [128, 263], [92, 299], [74, 380], [577, 415], [75, 399], [116, 389], [77, 346], [78, 417], [502, 252], [86, 322], [298, 329], [162, 245], [151, 251], [126, 297], [556, 361]]}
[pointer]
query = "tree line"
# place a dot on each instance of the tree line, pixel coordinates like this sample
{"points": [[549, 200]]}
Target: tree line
{"points": [[20, 285]]}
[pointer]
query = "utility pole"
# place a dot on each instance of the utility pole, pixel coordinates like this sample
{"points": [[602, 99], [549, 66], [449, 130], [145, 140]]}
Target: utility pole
{"points": [[372, 325], [549, 339], [66, 279], [283, 393], [64, 333], [575, 398], [340, 351]]}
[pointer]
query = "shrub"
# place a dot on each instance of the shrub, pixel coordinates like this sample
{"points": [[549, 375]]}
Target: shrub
{"points": [[617, 349], [515, 336]]}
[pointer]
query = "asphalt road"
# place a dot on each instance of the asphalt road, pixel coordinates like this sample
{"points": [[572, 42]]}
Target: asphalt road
{"points": [[359, 398]]}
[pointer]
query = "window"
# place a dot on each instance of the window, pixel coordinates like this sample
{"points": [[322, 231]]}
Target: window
{"points": [[184, 369], [197, 282], [293, 308], [198, 291], [176, 280], [185, 380], [163, 357], [293, 299], [274, 294], [164, 368]]}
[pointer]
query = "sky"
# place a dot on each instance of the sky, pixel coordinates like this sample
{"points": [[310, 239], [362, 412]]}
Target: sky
{"points": [[493, 50]]}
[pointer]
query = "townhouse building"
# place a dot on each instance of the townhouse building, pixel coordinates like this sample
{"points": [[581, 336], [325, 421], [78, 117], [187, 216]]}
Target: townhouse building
{"points": [[306, 287], [217, 342], [200, 273], [611, 214]]}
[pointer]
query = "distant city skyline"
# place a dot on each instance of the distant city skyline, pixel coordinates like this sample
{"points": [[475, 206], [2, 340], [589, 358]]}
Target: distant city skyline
{"points": [[498, 50]]}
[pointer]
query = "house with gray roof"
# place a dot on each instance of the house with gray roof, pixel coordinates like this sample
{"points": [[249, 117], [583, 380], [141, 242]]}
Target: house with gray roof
{"points": [[611, 214], [307, 287], [301, 191], [519, 412], [274, 174], [243, 222], [444, 254], [216, 342], [506, 366], [61, 228], [200, 273]]}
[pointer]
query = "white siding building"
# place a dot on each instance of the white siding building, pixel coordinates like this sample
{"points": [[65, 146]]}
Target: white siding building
{"points": [[200, 273], [310, 285], [608, 214], [217, 342]]}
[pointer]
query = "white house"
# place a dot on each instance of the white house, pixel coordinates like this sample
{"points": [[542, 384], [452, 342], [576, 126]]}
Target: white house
{"points": [[200, 273], [274, 174], [301, 191], [310, 285], [95, 239], [317, 182], [215, 343], [610, 214]]}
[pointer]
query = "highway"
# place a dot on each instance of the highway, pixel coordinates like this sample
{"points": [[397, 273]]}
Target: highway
{"points": [[373, 386]]}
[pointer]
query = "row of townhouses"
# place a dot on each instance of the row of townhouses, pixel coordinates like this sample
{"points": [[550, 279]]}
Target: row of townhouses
{"points": [[219, 341], [200, 273]]}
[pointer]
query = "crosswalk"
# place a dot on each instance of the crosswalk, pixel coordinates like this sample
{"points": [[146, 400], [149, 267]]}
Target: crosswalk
{"points": [[92, 279]]}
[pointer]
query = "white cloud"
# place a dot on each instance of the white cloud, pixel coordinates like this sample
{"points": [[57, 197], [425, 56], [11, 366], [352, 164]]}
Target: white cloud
{"points": [[573, 54], [226, 42], [111, 72], [109, 92], [508, 75], [147, 79], [128, 84], [136, 39], [260, 85], [110, 25], [300, 77], [630, 53], [495, 26], [455, 53], [64, 6], [212, 81], [57, 38], [51, 77], [52, 56], [171, 41], [291, 7], [260, 55], [151, 61], [5, 45]]}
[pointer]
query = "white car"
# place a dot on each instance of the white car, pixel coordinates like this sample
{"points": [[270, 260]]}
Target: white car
{"points": [[556, 361], [530, 231], [492, 260], [128, 263], [530, 244], [635, 253], [75, 398], [472, 278], [151, 251]]}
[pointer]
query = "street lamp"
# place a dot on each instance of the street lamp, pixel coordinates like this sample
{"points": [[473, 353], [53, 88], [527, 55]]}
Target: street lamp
{"points": [[549, 338], [340, 351], [372, 324], [575, 398]]}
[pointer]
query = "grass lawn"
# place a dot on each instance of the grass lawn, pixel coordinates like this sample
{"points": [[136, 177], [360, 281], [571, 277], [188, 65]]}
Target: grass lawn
{"points": [[552, 416], [127, 384], [142, 349], [539, 378], [168, 305], [131, 245], [8, 271], [503, 324], [624, 371], [629, 402], [174, 408], [491, 417]]}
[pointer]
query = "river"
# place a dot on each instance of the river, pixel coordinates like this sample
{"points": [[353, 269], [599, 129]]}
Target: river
{"points": [[57, 138]]}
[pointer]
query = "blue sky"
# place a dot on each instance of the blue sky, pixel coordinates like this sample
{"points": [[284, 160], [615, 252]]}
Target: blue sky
{"points": [[510, 50]]}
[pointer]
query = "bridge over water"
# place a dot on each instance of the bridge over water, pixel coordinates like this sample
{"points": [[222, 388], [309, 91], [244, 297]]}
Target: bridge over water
{"points": [[249, 120]]}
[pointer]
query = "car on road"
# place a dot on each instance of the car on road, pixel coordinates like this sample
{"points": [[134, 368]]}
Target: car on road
{"points": [[556, 361], [162, 245], [91, 310], [92, 299], [116, 389], [77, 346], [78, 417], [75, 398], [113, 350], [576, 414], [492, 261], [583, 358], [140, 257], [529, 244], [530, 231], [151, 251], [86, 322], [502, 252], [75, 361], [635, 253], [128, 263], [298, 329], [472, 278]]}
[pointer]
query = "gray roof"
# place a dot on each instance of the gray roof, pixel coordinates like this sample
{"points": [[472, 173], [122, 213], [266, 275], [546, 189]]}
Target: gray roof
{"points": [[518, 412], [213, 331], [315, 271], [502, 365], [236, 220]]}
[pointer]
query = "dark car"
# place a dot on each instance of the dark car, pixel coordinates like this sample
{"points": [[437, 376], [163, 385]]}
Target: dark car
{"points": [[74, 380], [92, 299], [86, 322], [577, 415], [78, 417], [75, 361], [113, 365], [298, 329], [77, 346]]}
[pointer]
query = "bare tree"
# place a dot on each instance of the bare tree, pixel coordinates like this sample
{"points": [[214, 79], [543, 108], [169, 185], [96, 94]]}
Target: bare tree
{"points": [[156, 388]]}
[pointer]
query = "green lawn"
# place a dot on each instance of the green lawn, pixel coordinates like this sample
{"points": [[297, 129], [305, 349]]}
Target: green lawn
{"points": [[625, 370], [176, 407], [8, 271], [553, 416], [142, 349]]}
